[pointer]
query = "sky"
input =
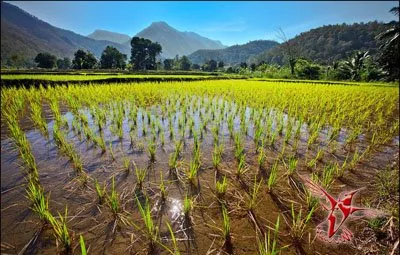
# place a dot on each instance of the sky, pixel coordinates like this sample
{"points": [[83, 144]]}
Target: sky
{"points": [[229, 22]]}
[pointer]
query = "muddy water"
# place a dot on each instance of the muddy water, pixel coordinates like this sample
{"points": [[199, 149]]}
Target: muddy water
{"points": [[201, 233]]}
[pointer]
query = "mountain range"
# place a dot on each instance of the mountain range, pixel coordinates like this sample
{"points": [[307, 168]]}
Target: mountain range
{"points": [[23, 36], [234, 54], [329, 43]]}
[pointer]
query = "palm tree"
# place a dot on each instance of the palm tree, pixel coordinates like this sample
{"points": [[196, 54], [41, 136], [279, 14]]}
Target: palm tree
{"points": [[390, 37], [355, 64]]}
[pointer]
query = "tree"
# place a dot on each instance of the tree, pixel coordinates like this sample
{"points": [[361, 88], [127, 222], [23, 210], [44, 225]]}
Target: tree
{"points": [[63, 63], [46, 60], [83, 60], [307, 70], [185, 63], [168, 64], [243, 65], [221, 64], [143, 53], [253, 67], [210, 65], [195, 67], [389, 58], [290, 50], [111, 58], [356, 63], [390, 36]]}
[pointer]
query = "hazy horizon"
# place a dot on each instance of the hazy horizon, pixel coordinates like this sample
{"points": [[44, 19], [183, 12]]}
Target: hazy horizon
{"points": [[229, 22]]}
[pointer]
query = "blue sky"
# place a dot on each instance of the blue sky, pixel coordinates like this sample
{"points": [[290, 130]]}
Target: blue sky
{"points": [[229, 22]]}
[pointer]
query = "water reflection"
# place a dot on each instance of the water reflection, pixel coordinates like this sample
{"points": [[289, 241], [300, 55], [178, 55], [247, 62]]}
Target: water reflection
{"points": [[176, 208]]}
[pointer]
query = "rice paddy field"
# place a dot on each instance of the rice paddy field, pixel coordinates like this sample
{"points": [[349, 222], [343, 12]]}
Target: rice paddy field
{"points": [[201, 167]]}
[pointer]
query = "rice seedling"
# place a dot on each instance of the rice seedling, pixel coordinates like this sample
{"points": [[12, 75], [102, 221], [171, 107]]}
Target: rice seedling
{"points": [[221, 187], [253, 195], [187, 207], [217, 156], [299, 223], [60, 229], [192, 172], [151, 228], [340, 170], [37, 118], [272, 178], [269, 246], [163, 188], [291, 168], [40, 204], [328, 175], [226, 228], [82, 245], [141, 174], [312, 202], [127, 164], [101, 191], [174, 241], [111, 152], [261, 158], [241, 169], [113, 199], [152, 149]]}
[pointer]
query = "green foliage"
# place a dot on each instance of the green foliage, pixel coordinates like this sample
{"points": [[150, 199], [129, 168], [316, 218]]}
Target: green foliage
{"points": [[143, 53], [84, 60], [46, 60], [306, 70], [64, 63], [111, 58]]}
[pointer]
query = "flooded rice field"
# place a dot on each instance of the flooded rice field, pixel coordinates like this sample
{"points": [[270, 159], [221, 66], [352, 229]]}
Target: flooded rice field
{"points": [[182, 169]]}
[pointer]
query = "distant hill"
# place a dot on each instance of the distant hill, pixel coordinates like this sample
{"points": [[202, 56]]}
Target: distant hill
{"points": [[109, 36], [175, 42], [329, 43], [24, 36], [233, 54]]}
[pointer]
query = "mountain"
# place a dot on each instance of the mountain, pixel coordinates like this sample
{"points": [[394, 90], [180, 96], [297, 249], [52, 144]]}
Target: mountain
{"points": [[109, 36], [23, 36], [234, 54], [329, 43], [175, 42]]}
